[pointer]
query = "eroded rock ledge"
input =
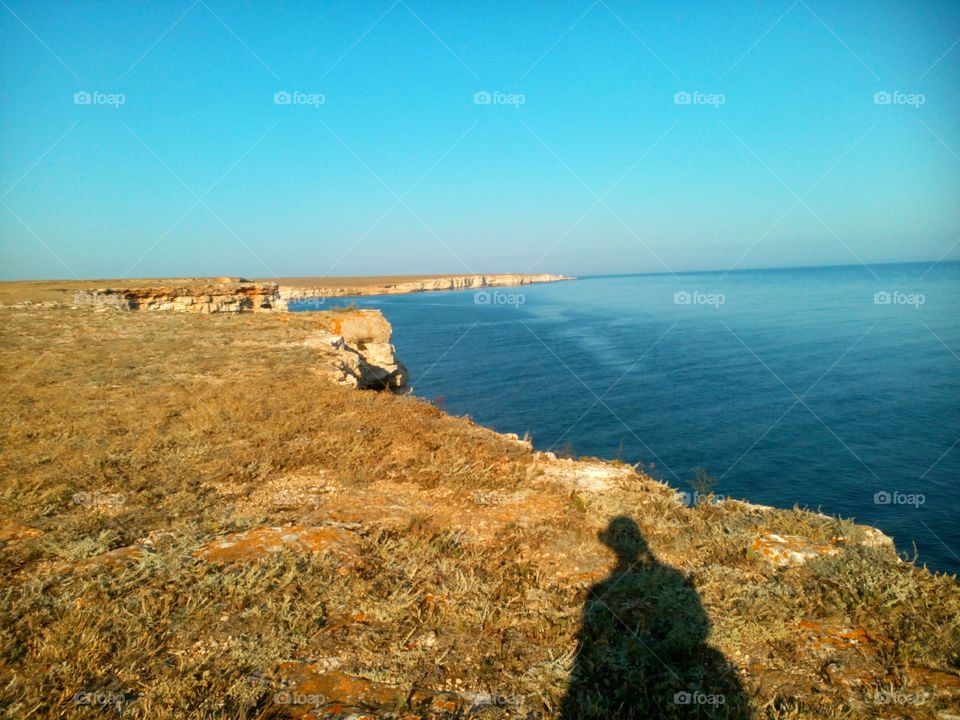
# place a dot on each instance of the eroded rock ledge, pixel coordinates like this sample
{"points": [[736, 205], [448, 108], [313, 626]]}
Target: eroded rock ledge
{"points": [[453, 282], [357, 350], [210, 298]]}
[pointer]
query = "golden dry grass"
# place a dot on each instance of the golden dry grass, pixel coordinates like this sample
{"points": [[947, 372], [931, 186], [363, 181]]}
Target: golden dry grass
{"points": [[451, 559]]}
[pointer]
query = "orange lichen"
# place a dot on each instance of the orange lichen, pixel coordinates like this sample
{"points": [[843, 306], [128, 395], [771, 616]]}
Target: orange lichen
{"points": [[313, 679], [258, 543], [788, 550], [13, 530], [820, 636]]}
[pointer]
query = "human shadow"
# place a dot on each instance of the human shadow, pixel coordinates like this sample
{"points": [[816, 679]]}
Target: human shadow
{"points": [[641, 650]]}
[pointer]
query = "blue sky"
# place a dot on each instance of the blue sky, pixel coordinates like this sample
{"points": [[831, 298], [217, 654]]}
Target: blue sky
{"points": [[783, 156]]}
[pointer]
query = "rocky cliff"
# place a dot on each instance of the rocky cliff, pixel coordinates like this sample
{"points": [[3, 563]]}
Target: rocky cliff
{"points": [[227, 296], [453, 282], [356, 348]]}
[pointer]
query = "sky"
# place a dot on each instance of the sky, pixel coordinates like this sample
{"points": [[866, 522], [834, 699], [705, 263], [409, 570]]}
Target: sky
{"points": [[269, 139]]}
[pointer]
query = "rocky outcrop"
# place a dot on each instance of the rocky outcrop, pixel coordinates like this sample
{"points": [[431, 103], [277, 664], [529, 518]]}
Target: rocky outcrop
{"points": [[227, 296], [452, 282], [358, 351]]}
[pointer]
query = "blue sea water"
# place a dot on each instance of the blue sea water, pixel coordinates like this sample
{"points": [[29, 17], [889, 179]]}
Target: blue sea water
{"points": [[831, 388]]}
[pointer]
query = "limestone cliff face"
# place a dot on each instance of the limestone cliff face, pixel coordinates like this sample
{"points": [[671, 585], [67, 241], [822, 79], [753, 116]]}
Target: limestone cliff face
{"points": [[357, 350], [453, 282], [222, 297]]}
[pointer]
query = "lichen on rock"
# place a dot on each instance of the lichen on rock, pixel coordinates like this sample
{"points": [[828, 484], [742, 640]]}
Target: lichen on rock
{"points": [[358, 351]]}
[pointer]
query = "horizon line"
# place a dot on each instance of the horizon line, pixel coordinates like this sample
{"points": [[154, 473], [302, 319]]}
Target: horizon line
{"points": [[932, 263]]}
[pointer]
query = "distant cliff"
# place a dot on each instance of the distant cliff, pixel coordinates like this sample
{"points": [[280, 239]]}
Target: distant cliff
{"points": [[452, 282]]}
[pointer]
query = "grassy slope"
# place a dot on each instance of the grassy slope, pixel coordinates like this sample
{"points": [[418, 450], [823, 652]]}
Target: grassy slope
{"points": [[461, 561]]}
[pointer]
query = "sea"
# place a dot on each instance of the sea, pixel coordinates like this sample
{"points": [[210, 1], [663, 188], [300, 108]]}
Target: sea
{"points": [[831, 388]]}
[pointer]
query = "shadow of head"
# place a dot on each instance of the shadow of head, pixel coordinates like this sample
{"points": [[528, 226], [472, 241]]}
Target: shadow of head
{"points": [[623, 536]]}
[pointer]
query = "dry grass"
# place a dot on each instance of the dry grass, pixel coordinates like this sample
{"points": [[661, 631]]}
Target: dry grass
{"points": [[462, 566]]}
